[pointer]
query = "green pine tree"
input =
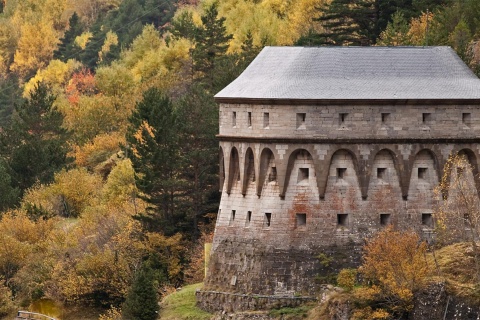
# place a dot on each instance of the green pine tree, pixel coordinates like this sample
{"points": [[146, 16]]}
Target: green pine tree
{"points": [[153, 146], [35, 144], [142, 300], [68, 49]]}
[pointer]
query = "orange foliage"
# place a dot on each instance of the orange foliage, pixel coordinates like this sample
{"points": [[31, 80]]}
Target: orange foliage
{"points": [[100, 149], [82, 82]]}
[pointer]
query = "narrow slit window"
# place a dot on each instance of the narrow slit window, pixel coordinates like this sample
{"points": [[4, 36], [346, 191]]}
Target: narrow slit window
{"points": [[466, 219], [301, 219], [422, 173], [232, 217], [341, 173], [234, 119], [249, 119], [266, 119], [301, 119], [426, 118], [342, 118], [427, 220], [342, 220], [249, 218], [381, 173], [303, 174], [268, 219], [466, 118], [385, 118], [384, 219]]}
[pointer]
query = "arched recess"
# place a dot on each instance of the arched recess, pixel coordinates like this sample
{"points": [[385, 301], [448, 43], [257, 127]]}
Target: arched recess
{"points": [[326, 173], [419, 169], [221, 162], [387, 155], [268, 169], [233, 170], [298, 153], [472, 159], [249, 170]]}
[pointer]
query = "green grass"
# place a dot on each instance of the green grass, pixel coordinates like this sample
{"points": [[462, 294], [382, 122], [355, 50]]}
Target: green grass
{"points": [[181, 305], [292, 313]]}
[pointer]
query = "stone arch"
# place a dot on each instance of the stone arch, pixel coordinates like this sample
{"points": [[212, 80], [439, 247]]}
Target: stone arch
{"points": [[267, 169], [249, 170], [221, 162], [385, 174], [325, 173], [419, 169], [472, 159], [234, 169], [291, 161], [396, 164]]}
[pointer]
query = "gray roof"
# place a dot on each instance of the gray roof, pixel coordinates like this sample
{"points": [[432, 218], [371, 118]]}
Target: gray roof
{"points": [[354, 73]]}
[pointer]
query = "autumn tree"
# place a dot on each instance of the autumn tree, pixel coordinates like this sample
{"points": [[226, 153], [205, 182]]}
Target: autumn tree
{"points": [[67, 48], [393, 269]]}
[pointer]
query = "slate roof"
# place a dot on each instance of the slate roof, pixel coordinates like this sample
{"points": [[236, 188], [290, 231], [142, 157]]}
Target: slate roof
{"points": [[353, 73]]}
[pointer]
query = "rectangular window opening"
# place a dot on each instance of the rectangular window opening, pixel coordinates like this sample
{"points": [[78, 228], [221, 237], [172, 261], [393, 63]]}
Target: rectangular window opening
{"points": [[302, 174], [341, 173], [232, 218], [466, 219], [249, 119], [342, 220], [301, 219], [460, 171], [427, 220], [342, 118], [234, 119], [384, 219], [268, 219], [466, 118], [301, 119], [426, 118], [381, 173], [272, 176], [249, 218], [422, 173], [266, 119], [385, 118]]}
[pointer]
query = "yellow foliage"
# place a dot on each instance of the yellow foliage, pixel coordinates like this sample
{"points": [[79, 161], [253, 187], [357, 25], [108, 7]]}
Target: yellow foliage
{"points": [[56, 74], [111, 39], [83, 39], [169, 249], [120, 186], [35, 47], [418, 26], [98, 150], [70, 193], [347, 278]]}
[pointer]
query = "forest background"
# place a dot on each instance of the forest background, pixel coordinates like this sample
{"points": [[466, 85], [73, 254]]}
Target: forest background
{"points": [[108, 156]]}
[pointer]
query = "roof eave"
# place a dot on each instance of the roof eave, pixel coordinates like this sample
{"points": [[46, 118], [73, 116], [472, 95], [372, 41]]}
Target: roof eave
{"points": [[273, 101]]}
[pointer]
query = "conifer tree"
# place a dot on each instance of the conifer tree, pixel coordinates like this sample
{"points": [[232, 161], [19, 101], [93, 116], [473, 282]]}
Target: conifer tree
{"points": [[68, 49], [153, 146], [142, 301]]}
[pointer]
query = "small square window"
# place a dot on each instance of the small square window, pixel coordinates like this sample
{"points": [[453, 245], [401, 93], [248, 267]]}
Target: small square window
{"points": [[249, 119], [427, 220], [249, 218], [268, 219], [381, 173], [232, 218], [385, 118], [426, 118], [234, 119], [266, 119], [301, 119], [422, 173], [301, 219], [302, 174], [467, 118], [272, 176], [342, 220], [384, 219], [341, 173], [342, 118]]}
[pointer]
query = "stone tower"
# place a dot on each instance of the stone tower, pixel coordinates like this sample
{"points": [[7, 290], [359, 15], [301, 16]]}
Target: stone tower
{"points": [[322, 147]]}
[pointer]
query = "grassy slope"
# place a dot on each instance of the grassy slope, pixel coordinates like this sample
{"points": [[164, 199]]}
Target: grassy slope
{"points": [[181, 305]]}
